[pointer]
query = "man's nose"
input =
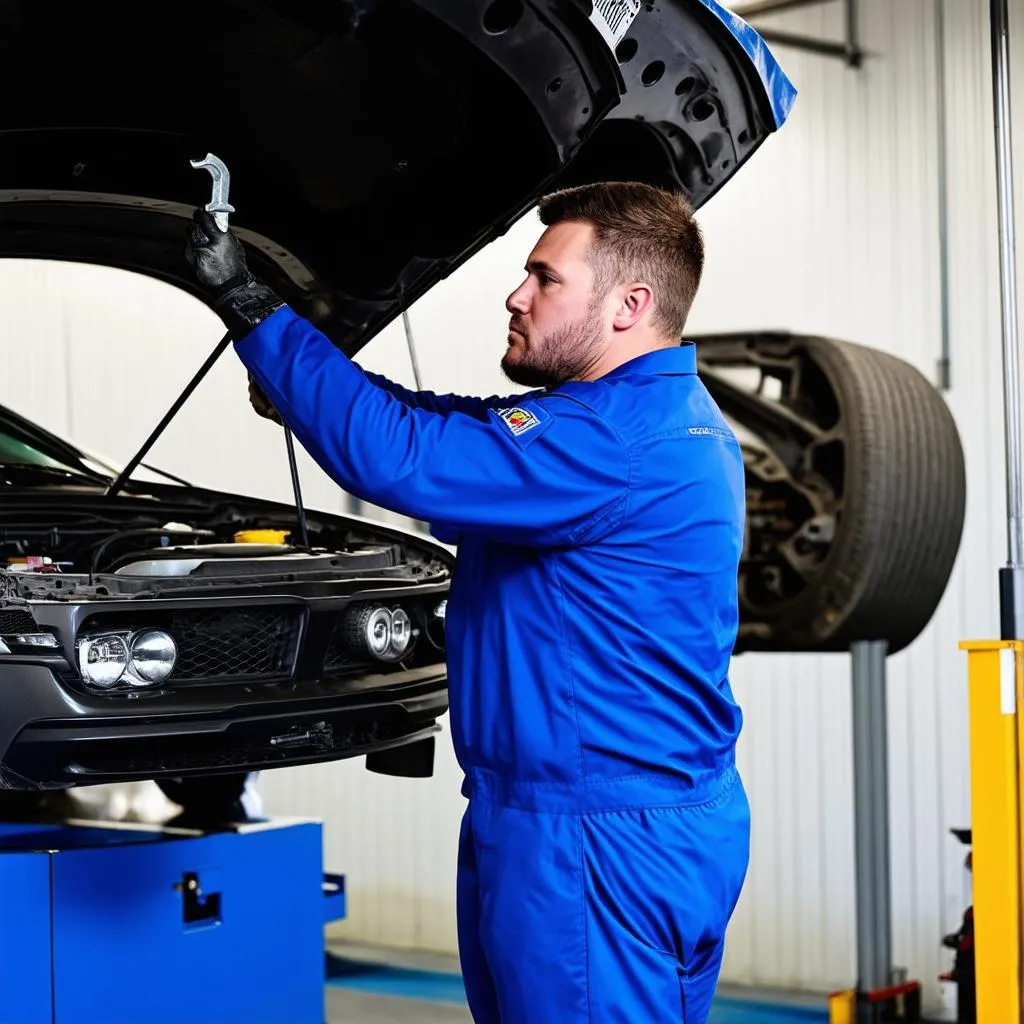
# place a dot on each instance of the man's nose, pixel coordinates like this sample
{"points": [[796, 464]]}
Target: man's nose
{"points": [[518, 301]]}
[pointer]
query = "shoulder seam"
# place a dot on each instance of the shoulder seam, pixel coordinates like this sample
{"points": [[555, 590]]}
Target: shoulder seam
{"points": [[596, 412]]}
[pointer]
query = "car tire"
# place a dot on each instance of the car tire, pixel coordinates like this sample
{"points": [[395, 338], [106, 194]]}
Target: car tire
{"points": [[880, 470]]}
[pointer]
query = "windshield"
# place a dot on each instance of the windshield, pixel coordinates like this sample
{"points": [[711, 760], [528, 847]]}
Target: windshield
{"points": [[23, 444], [18, 451]]}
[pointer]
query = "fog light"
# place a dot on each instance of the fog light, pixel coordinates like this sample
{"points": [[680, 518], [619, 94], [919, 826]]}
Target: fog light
{"points": [[401, 632], [383, 633], [103, 660], [153, 656], [377, 631]]}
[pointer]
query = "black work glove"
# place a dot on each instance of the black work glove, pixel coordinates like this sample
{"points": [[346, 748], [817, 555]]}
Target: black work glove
{"points": [[240, 299]]}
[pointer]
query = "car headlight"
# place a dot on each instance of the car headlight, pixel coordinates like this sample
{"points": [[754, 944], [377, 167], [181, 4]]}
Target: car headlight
{"points": [[153, 655], [103, 660], [386, 634], [138, 659]]}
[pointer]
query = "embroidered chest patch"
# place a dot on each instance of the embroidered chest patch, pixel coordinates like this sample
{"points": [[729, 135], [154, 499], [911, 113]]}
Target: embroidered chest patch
{"points": [[519, 421]]}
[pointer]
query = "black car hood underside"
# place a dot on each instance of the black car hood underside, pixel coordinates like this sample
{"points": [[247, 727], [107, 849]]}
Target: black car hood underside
{"points": [[373, 145]]}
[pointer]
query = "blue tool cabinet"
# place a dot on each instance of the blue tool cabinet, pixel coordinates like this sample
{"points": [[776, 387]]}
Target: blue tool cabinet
{"points": [[104, 924]]}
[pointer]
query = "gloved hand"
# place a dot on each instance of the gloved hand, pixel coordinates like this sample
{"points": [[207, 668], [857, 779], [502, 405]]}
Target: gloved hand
{"points": [[240, 299], [217, 257]]}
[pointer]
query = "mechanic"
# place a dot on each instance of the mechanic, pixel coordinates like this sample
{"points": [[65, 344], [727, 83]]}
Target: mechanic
{"points": [[599, 520]]}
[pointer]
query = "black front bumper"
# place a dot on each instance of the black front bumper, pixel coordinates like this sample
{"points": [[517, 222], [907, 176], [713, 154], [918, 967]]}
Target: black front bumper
{"points": [[52, 737]]}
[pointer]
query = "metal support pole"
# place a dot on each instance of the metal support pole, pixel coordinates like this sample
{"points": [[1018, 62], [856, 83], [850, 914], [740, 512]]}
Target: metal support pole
{"points": [[855, 54], [945, 362], [1011, 577], [871, 816]]}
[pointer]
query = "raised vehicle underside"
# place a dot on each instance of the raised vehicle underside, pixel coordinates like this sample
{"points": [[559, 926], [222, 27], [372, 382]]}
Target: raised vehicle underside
{"points": [[855, 489]]}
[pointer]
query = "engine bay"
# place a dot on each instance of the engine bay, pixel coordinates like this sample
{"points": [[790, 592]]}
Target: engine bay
{"points": [[88, 554]]}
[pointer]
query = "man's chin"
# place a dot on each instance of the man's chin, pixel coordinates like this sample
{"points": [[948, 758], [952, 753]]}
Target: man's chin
{"points": [[522, 374]]}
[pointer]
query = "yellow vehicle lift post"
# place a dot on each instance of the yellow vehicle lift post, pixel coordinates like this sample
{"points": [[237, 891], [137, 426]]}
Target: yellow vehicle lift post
{"points": [[995, 679]]}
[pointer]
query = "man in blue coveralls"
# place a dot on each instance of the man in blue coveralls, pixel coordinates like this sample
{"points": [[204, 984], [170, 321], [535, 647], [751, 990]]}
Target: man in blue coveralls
{"points": [[599, 520]]}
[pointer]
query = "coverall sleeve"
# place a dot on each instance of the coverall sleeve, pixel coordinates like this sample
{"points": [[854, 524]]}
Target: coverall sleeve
{"points": [[432, 402], [546, 472]]}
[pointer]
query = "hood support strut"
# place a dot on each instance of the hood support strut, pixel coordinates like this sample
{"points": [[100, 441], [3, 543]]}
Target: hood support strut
{"points": [[133, 463], [203, 370]]}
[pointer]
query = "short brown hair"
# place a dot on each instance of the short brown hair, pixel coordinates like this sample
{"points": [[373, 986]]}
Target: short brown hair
{"points": [[641, 233]]}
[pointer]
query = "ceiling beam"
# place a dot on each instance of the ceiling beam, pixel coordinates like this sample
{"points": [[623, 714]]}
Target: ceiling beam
{"points": [[849, 50], [759, 7]]}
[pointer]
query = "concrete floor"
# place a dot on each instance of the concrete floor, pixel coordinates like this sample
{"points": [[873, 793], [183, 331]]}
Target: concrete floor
{"points": [[348, 1007], [372, 996], [373, 986]]}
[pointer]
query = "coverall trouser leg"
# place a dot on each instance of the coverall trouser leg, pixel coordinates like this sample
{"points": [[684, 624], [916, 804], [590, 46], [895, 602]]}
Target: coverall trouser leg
{"points": [[609, 915]]}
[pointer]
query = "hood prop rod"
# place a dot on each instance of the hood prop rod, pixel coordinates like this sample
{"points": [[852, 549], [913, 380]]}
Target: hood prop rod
{"points": [[133, 463], [203, 370], [293, 466]]}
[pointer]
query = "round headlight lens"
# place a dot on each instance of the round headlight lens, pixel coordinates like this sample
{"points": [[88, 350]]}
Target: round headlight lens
{"points": [[377, 632], [153, 655], [401, 633], [103, 660]]}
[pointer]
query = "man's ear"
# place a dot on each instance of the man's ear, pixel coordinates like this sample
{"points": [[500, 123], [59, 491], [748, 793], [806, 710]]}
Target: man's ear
{"points": [[635, 300]]}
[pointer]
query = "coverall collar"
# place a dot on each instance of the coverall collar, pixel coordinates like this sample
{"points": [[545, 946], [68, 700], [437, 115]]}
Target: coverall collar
{"points": [[667, 362]]}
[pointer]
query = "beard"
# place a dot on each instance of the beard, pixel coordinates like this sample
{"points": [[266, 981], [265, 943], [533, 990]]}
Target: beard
{"points": [[564, 354]]}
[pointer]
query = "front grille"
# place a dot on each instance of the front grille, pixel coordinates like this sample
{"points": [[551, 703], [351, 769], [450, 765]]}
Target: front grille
{"points": [[16, 621], [252, 643], [339, 659]]}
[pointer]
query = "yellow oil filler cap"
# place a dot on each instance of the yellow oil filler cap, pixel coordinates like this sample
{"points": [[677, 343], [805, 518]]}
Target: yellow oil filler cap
{"points": [[261, 536]]}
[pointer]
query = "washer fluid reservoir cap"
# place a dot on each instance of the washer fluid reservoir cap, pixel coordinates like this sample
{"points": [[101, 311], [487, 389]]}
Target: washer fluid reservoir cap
{"points": [[261, 536]]}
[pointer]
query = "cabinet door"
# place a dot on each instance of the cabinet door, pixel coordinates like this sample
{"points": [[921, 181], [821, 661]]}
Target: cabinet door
{"points": [[216, 929]]}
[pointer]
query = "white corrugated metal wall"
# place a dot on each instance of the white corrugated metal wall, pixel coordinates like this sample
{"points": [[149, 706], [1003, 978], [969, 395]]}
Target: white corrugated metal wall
{"points": [[834, 229]]}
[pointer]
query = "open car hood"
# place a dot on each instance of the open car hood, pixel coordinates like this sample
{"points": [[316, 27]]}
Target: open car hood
{"points": [[373, 145]]}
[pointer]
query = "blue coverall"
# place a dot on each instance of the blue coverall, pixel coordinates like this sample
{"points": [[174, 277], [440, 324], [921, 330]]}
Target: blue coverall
{"points": [[589, 628]]}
